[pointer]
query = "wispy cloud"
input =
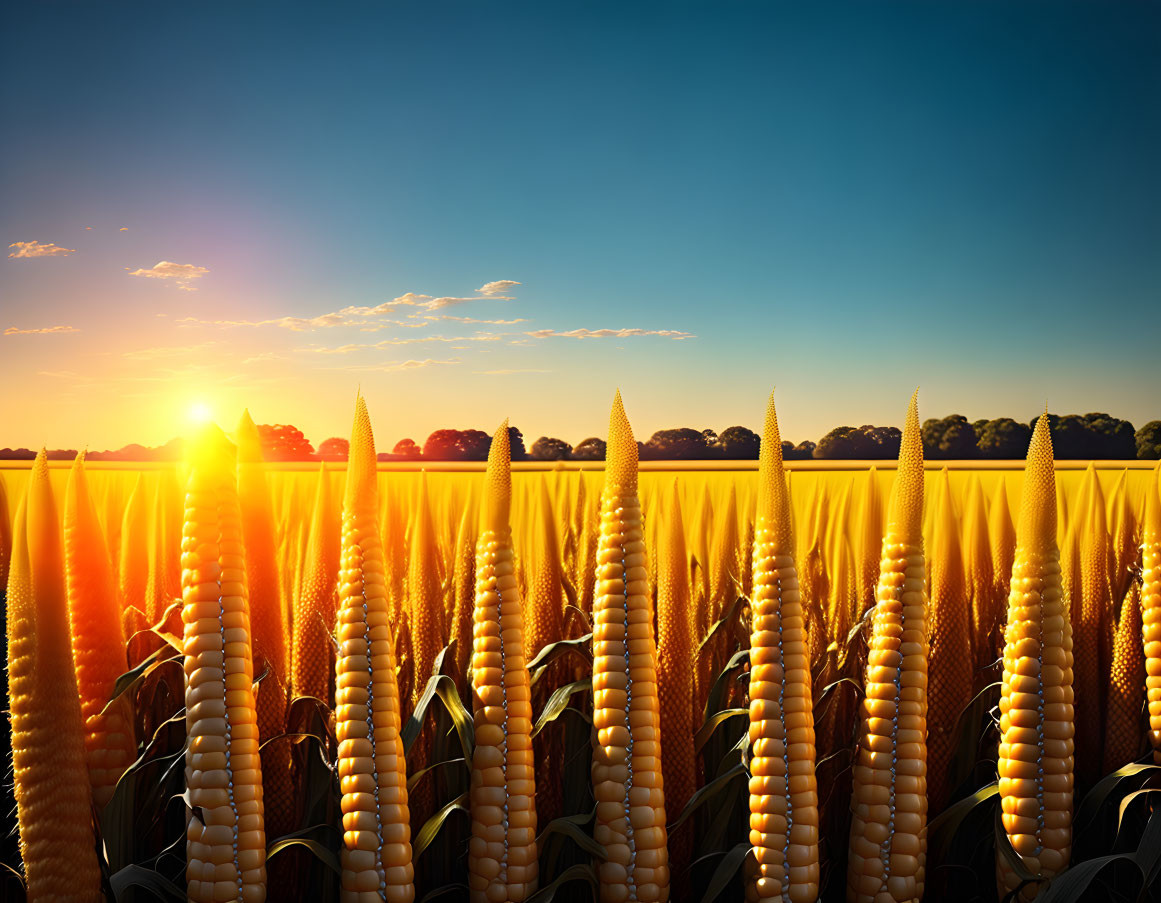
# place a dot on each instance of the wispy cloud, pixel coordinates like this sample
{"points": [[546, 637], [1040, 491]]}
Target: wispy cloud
{"points": [[365, 318], [499, 287], [37, 249], [388, 343], [397, 366], [506, 372], [296, 324], [180, 273], [123, 229], [609, 333], [434, 317], [43, 330]]}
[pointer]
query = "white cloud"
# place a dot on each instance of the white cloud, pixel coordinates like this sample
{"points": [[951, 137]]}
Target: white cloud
{"points": [[499, 287], [609, 333], [181, 273], [37, 249], [43, 330]]}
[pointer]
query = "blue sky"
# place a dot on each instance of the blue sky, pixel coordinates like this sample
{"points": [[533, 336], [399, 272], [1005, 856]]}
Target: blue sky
{"points": [[841, 200]]}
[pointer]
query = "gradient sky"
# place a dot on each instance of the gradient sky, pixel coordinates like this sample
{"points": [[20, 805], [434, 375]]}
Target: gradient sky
{"points": [[845, 201]]}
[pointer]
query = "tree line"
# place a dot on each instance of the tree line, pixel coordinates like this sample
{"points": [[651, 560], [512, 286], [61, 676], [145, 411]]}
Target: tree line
{"points": [[1074, 437]]}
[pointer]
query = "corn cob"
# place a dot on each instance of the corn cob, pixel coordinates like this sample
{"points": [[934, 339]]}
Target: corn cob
{"points": [[502, 862], [97, 643], [837, 623], [783, 790], [133, 574], [1123, 535], [889, 797], [5, 538], [869, 542], [1003, 537], [546, 599], [950, 686], [163, 583], [588, 533], [1036, 712], [271, 638], [1092, 626], [545, 626], [626, 767], [53, 800], [987, 614], [676, 653], [424, 595], [1126, 695], [226, 843], [464, 589], [1151, 609], [376, 854], [312, 670]]}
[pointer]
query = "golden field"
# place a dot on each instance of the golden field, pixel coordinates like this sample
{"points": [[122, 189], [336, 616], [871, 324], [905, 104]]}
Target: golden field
{"points": [[452, 562]]}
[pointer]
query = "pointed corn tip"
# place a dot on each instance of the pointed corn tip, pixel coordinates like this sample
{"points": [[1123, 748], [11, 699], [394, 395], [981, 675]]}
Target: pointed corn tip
{"points": [[1037, 527], [361, 464], [621, 450], [498, 480], [773, 499], [905, 510]]}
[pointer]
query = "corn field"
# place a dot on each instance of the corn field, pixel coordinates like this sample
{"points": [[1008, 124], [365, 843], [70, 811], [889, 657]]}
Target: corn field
{"points": [[232, 681]]}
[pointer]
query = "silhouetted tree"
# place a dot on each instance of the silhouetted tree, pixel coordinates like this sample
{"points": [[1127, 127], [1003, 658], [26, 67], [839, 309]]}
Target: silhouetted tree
{"points": [[883, 441], [516, 443], [406, 448], [590, 449], [950, 438], [1094, 435], [334, 449], [864, 442], [736, 443], [1111, 436], [457, 445], [547, 448], [283, 442], [1002, 438], [804, 450], [1148, 440], [683, 444]]}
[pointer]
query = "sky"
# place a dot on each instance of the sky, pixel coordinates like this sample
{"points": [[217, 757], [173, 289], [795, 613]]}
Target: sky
{"points": [[478, 211]]}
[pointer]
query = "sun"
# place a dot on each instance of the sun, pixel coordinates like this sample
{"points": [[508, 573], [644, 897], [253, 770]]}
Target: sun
{"points": [[199, 412]]}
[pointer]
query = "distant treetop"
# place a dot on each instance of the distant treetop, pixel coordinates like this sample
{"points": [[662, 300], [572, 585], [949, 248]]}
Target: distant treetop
{"points": [[1074, 436]]}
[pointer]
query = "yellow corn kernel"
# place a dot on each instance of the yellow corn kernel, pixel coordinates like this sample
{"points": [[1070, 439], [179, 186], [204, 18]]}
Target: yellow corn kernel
{"points": [[783, 791], [225, 853], [1037, 654], [97, 642], [676, 654], [626, 767], [367, 699], [502, 864], [53, 808], [1151, 611], [889, 865], [950, 666], [1122, 737], [271, 638], [315, 606]]}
